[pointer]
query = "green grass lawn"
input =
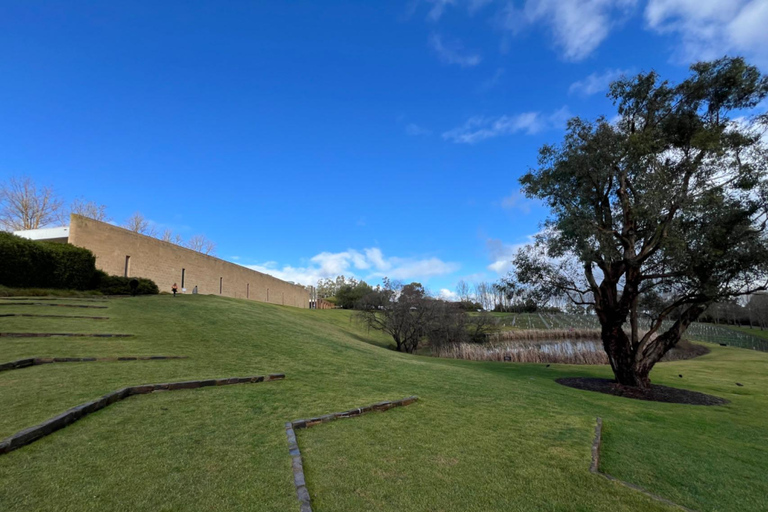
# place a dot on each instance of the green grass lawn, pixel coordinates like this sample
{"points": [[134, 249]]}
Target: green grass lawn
{"points": [[484, 436]]}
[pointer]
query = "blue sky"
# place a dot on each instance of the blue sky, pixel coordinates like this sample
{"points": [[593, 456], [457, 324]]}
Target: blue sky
{"points": [[309, 139]]}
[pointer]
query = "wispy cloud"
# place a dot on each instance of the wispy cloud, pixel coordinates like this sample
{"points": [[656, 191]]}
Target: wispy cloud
{"points": [[517, 201], [596, 82], [415, 130], [476, 129], [368, 264], [578, 27], [438, 8], [492, 82], [501, 254], [453, 52], [711, 28]]}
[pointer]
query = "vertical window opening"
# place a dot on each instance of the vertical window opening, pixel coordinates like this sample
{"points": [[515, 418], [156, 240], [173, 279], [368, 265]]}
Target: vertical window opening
{"points": [[127, 265], [247, 290], [221, 285], [182, 278], [267, 294]]}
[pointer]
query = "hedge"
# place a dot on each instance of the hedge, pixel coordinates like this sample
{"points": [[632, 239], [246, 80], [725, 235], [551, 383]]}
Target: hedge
{"points": [[117, 285], [29, 264]]}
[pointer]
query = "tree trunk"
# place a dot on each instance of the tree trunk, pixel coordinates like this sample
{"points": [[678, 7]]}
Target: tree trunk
{"points": [[624, 363]]}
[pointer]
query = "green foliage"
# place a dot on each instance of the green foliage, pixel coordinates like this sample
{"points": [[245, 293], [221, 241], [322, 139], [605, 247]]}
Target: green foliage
{"points": [[31, 264], [119, 285], [663, 211], [349, 295]]}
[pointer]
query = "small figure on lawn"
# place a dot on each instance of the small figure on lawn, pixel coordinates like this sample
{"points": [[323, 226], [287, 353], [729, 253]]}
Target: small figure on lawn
{"points": [[174, 289], [134, 284]]}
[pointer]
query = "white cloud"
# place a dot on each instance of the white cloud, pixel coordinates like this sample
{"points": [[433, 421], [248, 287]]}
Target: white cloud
{"points": [[712, 28], [447, 294], [369, 263], [501, 254], [480, 128], [596, 82], [453, 52], [578, 26], [517, 201], [438, 7], [415, 130]]}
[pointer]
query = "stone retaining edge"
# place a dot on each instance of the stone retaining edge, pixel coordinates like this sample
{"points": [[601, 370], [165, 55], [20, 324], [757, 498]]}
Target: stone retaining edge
{"points": [[297, 465], [5, 315], [595, 468], [64, 334], [34, 361], [53, 305], [32, 434]]}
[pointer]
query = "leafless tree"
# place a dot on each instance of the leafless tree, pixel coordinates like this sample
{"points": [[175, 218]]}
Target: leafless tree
{"points": [[462, 290], [24, 206], [90, 209], [137, 223], [170, 236], [201, 244]]}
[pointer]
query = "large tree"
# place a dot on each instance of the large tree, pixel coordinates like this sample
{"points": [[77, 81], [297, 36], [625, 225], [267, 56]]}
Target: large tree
{"points": [[657, 213]]}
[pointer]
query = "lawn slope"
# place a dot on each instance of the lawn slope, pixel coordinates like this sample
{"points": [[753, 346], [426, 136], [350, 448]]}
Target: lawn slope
{"points": [[483, 436]]}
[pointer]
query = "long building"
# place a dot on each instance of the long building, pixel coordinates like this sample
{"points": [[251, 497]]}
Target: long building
{"points": [[122, 252]]}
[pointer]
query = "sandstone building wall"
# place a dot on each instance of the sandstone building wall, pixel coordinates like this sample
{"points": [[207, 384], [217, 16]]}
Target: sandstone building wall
{"points": [[122, 252]]}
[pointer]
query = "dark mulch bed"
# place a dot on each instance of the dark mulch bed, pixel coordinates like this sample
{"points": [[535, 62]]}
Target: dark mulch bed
{"points": [[655, 394]]}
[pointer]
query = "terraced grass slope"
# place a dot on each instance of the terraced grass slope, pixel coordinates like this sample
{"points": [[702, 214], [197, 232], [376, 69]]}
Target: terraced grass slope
{"points": [[483, 436]]}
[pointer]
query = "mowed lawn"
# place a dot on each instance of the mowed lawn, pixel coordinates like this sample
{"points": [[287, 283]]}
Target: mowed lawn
{"points": [[483, 436]]}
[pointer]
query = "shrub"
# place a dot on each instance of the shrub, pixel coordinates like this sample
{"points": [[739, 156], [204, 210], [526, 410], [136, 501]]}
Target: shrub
{"points": [[118, 285], [31, 264]]}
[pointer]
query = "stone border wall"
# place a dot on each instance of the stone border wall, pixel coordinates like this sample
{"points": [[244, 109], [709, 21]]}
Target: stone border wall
{"points": [[66, 334], [293, 447], [75, 299], [88, 306], [32, 315], [32, 434], [595, 469], [35, 361]]}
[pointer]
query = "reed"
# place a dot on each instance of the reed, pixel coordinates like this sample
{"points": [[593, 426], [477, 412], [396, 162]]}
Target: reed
{"points": [[544, 334], [540, 351]]}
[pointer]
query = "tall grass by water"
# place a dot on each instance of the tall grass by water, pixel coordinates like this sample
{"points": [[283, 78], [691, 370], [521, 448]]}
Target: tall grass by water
{"points": [[563, 351]]}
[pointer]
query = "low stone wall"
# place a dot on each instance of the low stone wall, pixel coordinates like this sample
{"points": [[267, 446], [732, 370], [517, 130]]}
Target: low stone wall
{"points": [[3, 315], [34, 361], [594, 468], [86, 306], [70, 416], [65, 334], [293, 447]]}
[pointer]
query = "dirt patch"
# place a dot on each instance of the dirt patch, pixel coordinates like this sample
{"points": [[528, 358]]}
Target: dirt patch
{"points": [[657, 393]]}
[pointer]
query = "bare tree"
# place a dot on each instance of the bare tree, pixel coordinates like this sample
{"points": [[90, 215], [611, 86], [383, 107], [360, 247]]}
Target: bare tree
{"points": [[137, 223], [462, 290], [170, 236], [90, 209], [201, 244], [24, 206]]}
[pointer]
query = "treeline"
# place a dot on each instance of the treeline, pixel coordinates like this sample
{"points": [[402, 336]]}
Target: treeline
{"points": [[754, 313]]}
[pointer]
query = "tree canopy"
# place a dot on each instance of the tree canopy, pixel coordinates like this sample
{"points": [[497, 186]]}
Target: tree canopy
{"points": [[661, 210]]}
